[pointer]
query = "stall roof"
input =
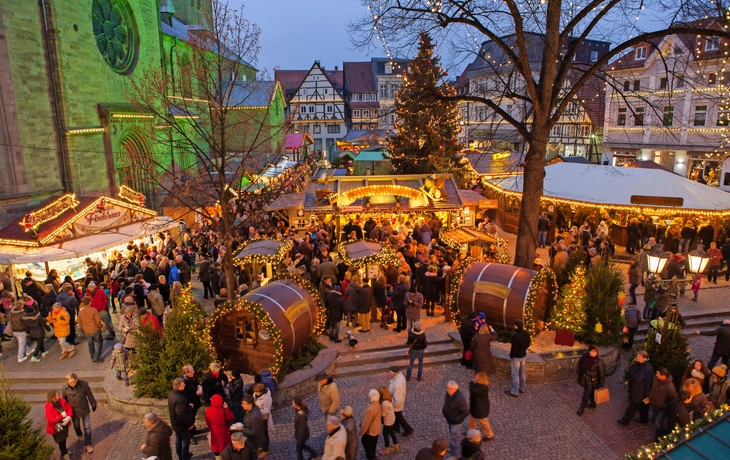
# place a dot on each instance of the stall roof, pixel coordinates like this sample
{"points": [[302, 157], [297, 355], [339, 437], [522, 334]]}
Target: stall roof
{"points": [[297, 140], [472, 198], [608, 185], [409, 184], [264, 247], [495, 164], [275, 170], [288, 201], [468, 235], [86, 245], [710, 442]]}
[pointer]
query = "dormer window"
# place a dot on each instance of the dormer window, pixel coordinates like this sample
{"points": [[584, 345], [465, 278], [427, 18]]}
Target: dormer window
{"points": [[640, 53], [388, 68], [712, 43]]}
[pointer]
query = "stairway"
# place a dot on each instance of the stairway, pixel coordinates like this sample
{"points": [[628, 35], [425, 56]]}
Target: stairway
{"points": [[33, 386], [365, 361], [703, 321]]}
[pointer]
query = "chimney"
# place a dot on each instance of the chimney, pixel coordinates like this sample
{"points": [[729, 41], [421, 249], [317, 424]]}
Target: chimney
{"points": [[336, 68], [317, 63]]}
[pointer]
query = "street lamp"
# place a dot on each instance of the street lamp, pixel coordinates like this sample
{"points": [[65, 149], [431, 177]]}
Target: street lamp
{"points": [[697, 261], [657, 263]]}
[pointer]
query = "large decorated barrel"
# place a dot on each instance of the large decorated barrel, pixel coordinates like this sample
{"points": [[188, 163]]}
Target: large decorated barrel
{"points": [[505, 293], [267, 325]]}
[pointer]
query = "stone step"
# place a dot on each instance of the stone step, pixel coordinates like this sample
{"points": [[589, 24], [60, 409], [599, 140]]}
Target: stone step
{"points": [[17, 378], [43, 388], [640, 337], [37, 399], [364, 351], [390, 356], [692, 323], [439, 360]]}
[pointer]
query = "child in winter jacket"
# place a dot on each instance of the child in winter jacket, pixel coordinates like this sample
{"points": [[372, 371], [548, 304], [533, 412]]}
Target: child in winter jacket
{"points": [[119, 362], [696, 286], [388, 414]]}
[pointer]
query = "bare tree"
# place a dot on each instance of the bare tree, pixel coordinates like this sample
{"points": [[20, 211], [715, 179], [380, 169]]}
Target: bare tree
{"points": [[214, 123], [542, 85]]}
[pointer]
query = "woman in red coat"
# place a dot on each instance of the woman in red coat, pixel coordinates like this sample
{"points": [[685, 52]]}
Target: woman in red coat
{"points": [[58, 418], [218, 419]]}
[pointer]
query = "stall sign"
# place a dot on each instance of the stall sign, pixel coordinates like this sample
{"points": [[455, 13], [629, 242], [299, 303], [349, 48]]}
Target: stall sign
{"points": [[495, 289], [102, 218], [351, 208], [297, 309], [657, 200], [373, 271]]}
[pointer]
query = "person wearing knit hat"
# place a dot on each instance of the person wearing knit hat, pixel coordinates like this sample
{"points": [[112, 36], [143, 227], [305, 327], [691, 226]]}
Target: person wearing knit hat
{"points": [[719, 385], [371, 424], [436, 451]]}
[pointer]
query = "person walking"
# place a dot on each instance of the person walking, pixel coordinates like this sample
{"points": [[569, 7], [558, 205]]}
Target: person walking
{"points": [[329, 395], [350, 425], [353, 295], [100, 302], [335, 305], [182, 418], [639, 379], [58, 417], [662, 389], [91, 324], [467, 333], [481, 347], [264, 402], [240, 448], [633, 320], [235, 391], [128, 324], [715, 264], [253, 422], [15, 319], [69, 302], [471, 446], [35, 327], [455, 411], [721, 350], [437, 451], [591, 372], [193, 390], [218, 419], [157, 443], [518, 352], [204, 277], [634, 279], [479, 404], [418, 343], [336, 440], [397, 389], [214, 382], [365, 307], [370, 426], [78, 394], [61, 322], [414, 304], [388, 419], [399, 303], [301, 429], [543, 224]]}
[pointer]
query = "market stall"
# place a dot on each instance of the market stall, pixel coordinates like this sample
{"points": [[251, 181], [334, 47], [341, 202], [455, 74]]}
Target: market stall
{"points": [[574, 193], [262, 253], [62, 232]]}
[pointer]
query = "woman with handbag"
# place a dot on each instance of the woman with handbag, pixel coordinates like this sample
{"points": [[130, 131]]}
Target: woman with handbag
{"points": [[591, 374], [58, 418], [218, 418]]}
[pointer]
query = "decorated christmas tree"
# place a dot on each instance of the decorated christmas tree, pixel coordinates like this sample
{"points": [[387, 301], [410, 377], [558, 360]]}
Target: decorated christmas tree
{"points": [[604, 323], [427, 125], [146, 362], [570, 313]]}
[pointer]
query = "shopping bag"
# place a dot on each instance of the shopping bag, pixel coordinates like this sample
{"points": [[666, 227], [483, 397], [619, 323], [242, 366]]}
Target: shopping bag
{"points": [[601, 395]]}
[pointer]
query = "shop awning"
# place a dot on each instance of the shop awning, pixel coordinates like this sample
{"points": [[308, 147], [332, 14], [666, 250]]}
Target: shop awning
{"points": [[81, 247], [264, 251]]}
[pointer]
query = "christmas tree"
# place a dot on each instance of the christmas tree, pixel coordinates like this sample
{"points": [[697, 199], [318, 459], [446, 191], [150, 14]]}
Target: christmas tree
{"points": [[570, 313], [604, 322], [146, 362], [427, 125], [18, 438]]}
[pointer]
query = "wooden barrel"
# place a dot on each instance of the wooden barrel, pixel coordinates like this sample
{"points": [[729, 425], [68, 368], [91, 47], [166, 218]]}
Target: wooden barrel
{"points": [[500, 292], [243, 342]]}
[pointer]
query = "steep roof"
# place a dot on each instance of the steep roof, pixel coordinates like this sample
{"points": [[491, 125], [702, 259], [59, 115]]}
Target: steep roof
{"points": [[359, 77], [297, 140], [399, 66], [290, 80], [255, 93]]}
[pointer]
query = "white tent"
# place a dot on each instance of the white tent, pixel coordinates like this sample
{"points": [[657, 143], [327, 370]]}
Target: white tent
{"points": [[612, 186]]}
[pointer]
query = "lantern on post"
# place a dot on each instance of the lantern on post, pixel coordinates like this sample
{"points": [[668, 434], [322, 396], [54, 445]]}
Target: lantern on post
{"points": [[697, 261], [656, 263]]}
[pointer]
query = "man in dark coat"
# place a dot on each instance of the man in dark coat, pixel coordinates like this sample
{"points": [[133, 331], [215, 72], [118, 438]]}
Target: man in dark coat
{"points": [[69, 302], [676, 410], [647, 230], [721, 351], [239, 449], [639, 379], [253, 422], [455, 411], [184, 270], [518, 352], [662, 389], [192, 390], [363, 310], [335, 305], [437, 451], [148, 274], [204, 277], [31, 288], [467, 333], [725, 250], [158, 438], [182, 418], [78, 394]]}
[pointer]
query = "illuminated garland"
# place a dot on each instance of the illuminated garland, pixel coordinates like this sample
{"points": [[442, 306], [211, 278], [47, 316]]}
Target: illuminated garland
{"points": [[502, 258], [313, 291], [275, 259], [385, 257], [677, 435], [132, 196], [33, 220], [543, 275], [457, 276]]}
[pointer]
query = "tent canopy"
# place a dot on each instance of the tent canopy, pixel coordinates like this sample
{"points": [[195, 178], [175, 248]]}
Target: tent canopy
{"points": [[468, 235], [607, 185]]}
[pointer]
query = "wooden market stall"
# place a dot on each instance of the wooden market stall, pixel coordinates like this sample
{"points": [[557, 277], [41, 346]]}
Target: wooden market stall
{"points": [[266, 326], [264, 252]]}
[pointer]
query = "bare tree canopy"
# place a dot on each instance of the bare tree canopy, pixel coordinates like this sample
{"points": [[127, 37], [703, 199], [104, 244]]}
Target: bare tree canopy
{"points": [[533, 49]]}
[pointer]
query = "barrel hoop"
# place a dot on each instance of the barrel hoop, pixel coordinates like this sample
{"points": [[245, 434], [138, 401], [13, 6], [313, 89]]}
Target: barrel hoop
{"points": [[283, 310], [474, 291], [504, 305], [309, 310]]}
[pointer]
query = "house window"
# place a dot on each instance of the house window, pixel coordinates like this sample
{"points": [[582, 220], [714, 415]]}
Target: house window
{"points": [[585, 130], [481, 113], [355, 114], [373, 126], [621, 119], [366, 114], [388, 68], [627, 85], [383, 91], [712, 43], [640, 53], [668, 119], [594, 56], [700, 115], [330, 109], [330, 143], [318, 144], [723, 116], [679, 82], [305, 128], [246, 330], [663, 83], [712, 79], [333, 129], [637, 85], [556, 131], [326, 91], [572, 108], [304, 91], [316, 129], [639, 116]]}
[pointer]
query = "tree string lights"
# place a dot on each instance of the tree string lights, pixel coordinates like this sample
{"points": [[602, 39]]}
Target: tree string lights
{"points": [[569, 313], [385, 257]]}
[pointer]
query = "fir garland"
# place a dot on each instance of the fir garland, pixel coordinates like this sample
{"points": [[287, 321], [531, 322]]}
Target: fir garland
{"points": [[457, 275], [275, 259], [543, 275], [385, 257], [678, 435]]}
